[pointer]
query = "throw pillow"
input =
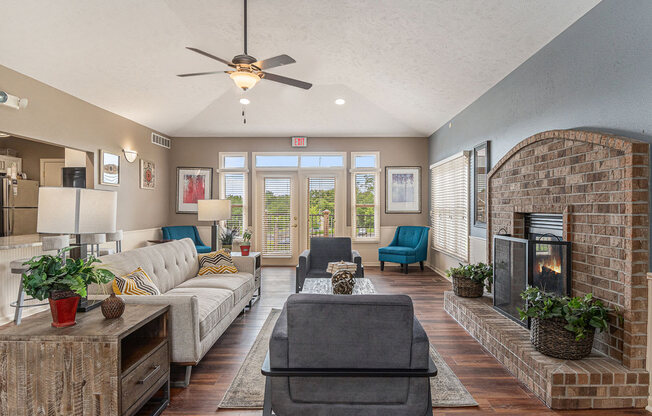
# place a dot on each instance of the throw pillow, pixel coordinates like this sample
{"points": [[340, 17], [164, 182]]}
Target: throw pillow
{"points": [[135, 283], [217, 262]]}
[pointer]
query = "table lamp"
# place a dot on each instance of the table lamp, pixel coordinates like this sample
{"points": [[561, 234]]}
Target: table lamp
{"points": [[213, 210], [63, 210]]}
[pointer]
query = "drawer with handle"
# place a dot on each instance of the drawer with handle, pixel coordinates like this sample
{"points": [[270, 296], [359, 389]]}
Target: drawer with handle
{"points": [[141, 378]]}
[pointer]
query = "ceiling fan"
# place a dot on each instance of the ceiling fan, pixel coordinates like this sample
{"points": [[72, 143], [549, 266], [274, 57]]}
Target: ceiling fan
{"points": [[248, 70]]}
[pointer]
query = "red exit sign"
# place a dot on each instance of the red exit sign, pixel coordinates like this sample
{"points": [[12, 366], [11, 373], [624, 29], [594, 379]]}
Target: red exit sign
{"points": [[299, 142]]}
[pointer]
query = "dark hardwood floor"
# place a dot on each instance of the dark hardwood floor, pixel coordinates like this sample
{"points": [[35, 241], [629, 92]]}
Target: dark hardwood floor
{"points": [[493, 387]]}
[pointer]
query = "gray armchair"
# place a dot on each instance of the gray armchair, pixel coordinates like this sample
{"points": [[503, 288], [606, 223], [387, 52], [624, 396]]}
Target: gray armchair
{"points": [[313, 262], [337, 355]]}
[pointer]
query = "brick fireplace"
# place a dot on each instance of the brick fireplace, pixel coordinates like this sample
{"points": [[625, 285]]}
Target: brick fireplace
{"points": [[599, 184]]}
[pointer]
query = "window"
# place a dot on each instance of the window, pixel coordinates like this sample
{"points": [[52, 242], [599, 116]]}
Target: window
{"points": [[234, 162], [449, 215], [365, 221], [277, 161], [321, 207], [234, 186], [277, 207], [322, 161]]}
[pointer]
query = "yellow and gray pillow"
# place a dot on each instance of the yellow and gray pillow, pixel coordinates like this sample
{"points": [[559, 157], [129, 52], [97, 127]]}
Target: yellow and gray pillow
{"points": [[217, 262], [135, 283]]}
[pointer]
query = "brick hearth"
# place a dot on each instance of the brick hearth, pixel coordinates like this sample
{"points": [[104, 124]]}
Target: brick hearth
{"points": [[595, 382]]}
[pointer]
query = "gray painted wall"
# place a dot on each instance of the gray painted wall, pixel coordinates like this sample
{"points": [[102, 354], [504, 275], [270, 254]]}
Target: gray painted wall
{"points": [[596, 75]]}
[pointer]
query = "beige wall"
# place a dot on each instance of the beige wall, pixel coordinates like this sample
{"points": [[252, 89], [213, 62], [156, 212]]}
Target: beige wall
{"points": [[31, 153], [203, 152], [59, 118]]}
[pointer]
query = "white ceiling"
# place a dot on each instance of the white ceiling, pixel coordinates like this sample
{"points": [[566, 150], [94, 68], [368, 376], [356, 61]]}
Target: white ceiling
{"points": [[404, 67]]}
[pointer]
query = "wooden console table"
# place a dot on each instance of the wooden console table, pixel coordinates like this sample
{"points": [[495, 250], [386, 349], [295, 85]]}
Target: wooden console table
{"points": [[97, 367]]}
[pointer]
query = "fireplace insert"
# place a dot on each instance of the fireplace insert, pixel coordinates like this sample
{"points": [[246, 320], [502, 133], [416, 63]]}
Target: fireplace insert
{"points": [[542, 260]]}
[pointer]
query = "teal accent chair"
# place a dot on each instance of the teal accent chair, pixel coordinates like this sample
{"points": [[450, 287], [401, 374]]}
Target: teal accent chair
{"points": [[410, 245], [179, 232]]}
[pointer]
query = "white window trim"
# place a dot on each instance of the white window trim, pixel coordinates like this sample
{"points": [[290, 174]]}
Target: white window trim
{"points": [[245, 195], [376, 171], [463, 257], [222, 155]]}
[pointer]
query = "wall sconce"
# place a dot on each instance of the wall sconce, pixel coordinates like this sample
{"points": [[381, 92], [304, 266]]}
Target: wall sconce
{"points": [[130, 155]]}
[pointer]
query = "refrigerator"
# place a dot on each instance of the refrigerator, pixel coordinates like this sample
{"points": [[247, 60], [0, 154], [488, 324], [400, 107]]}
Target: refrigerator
{"points": [[18, 206]]}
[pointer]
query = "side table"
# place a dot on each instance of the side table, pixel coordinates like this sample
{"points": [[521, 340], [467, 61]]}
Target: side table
{"points": [[99, 366], [256, 255]]}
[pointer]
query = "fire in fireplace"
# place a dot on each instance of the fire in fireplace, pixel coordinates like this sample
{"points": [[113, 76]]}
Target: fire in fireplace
{"points": [[541, 260]]}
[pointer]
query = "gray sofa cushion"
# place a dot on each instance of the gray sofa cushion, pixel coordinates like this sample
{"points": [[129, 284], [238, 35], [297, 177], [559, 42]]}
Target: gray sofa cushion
{"points": [[214, 304], [240, 283], [374, 331]]}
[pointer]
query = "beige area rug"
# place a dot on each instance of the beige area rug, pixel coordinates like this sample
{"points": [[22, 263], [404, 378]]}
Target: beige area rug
{"points": [[247, 390]]}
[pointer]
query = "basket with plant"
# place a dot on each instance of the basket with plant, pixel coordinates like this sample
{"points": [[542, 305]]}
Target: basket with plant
{"points": [[561, 326], [469, 281]]}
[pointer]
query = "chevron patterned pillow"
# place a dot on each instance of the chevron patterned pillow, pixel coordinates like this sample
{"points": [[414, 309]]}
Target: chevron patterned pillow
{"points": [[135, 283], [217, 262]]}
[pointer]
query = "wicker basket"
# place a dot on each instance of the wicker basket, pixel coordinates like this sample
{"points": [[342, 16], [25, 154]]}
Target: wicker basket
{"points": [[549, 337], [467, 288]]}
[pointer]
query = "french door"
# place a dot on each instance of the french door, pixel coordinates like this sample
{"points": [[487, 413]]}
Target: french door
{"points": [[278, 217], [292, 207]]}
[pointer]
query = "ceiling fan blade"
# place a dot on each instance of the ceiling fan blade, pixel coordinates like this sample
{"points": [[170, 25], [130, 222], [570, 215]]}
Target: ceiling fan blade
{"points": [[199, 51], [194, 74], [274, 62], [287, 81]]}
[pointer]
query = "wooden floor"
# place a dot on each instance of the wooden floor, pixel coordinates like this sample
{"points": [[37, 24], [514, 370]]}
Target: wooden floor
{"points": [[493, 387]]}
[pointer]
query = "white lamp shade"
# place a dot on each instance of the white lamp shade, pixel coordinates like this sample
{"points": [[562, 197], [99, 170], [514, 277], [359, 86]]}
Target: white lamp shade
{"points": [[213, 209], [76, 211]]}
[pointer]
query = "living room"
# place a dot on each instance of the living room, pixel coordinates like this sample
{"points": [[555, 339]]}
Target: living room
{"points": [[467, 233]]}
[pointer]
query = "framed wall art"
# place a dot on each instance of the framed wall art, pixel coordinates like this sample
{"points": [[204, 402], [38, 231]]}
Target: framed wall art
{"points": [[193, 184], [147, 174], [109, 168], [480, 170], [402, 189]]}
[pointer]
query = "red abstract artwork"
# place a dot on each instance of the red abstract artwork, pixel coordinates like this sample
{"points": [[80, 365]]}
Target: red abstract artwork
{"points": [[194, 188]]}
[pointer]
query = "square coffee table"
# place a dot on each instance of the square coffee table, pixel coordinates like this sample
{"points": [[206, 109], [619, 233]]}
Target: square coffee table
{"points": [[324, 286]]}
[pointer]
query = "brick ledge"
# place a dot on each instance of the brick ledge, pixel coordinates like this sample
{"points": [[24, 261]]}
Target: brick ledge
{"points": [[594, 382]]}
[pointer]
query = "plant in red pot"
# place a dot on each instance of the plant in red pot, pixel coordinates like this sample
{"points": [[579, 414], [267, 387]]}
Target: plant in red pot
{"points": [[62, 282], [246, 242]]}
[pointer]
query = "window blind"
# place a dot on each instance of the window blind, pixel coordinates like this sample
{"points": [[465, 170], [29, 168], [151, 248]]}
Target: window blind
{"points": [[365, 218], [234, 189], [449, 215], [277, 240]]}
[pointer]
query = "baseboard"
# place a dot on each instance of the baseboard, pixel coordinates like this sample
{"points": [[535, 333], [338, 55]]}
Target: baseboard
{"points": [[440, 272]]}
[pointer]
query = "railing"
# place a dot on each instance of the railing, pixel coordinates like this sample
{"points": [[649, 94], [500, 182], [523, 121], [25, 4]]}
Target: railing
{"points": [[365, 225], [316, 225]]}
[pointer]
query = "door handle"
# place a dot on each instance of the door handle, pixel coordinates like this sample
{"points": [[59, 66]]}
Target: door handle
{"points": [[295, 226]]}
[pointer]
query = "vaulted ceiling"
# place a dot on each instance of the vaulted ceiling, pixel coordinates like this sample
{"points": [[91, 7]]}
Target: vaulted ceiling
{"points": [[404, 67]]}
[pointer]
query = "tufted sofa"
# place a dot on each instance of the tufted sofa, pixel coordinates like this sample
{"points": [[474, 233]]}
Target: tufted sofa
{"points": [[201, 307]]}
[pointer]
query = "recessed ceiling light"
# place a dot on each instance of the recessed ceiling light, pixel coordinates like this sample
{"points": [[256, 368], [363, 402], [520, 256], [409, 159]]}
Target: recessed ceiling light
{"points": [[244, 101], [340, 101]]}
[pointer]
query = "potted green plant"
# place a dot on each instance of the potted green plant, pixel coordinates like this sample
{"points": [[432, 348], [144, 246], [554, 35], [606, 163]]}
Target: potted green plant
{"points": [[561, 326], [227, 236], [246, 242], [470, 280], [62, 282]]}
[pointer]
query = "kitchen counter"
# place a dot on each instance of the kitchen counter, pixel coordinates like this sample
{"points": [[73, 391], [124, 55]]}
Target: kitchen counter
{"points": [[20, 241]]}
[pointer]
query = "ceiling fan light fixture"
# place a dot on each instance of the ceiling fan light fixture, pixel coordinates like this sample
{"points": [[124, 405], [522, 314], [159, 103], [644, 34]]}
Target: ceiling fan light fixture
{"points": [[244, 79]]}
